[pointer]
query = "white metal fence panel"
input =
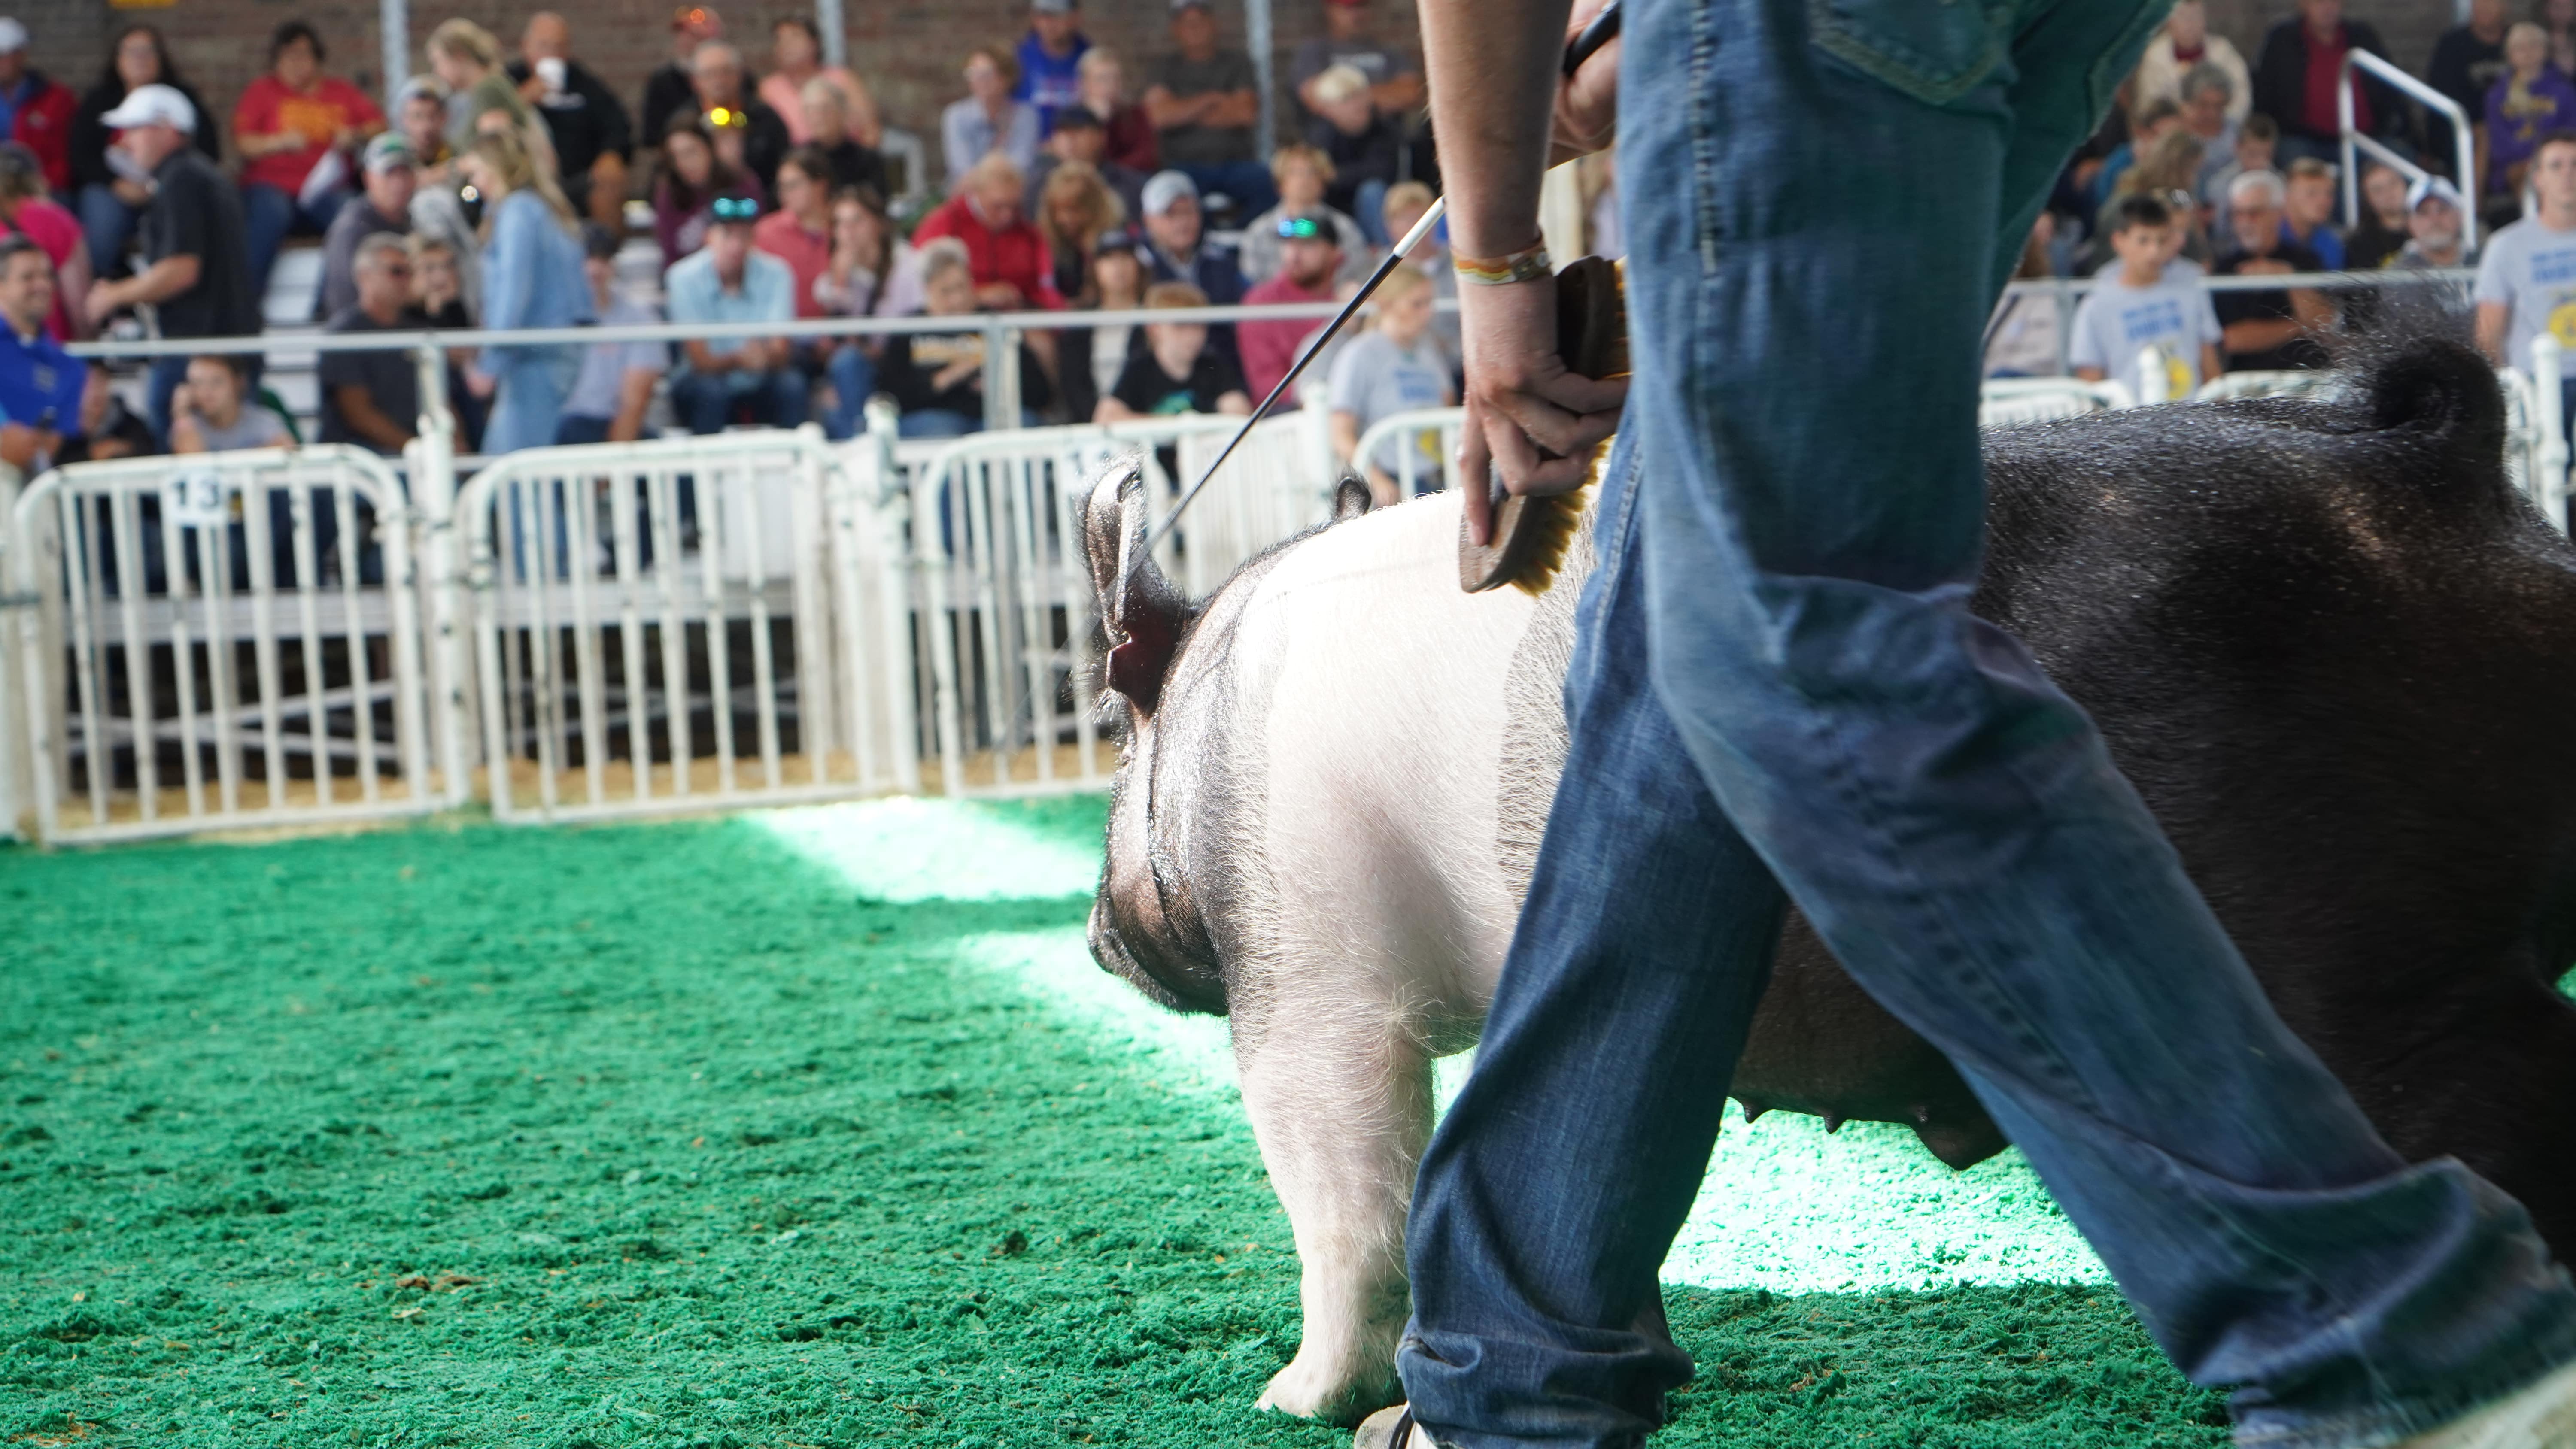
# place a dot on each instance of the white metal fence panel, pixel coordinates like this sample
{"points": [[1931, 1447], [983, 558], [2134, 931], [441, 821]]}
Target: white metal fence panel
{"points": [[218, 642], [1425, 453], [661, 626], [1005, 625]]}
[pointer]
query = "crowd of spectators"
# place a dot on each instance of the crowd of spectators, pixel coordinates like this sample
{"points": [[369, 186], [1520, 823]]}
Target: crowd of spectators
{"points": [[498, 187], [498, 191], [2210, 167]]}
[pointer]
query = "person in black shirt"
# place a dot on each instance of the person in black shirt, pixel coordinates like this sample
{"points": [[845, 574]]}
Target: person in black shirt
{"points": [[594, 138], [2466, 62], [827, 117], [1176, 371], [937, 378], [669, 87], [2267, 330], [198, 277], [740, 118], [109, 203], [372, 399]]}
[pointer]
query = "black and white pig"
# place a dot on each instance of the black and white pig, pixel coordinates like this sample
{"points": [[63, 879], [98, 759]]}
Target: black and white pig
{"points": [[2333, 648]]}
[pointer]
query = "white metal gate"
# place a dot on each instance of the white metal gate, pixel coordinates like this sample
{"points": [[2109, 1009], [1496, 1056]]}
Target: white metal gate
{"points": [[681, 624], [1006, 626], [218, 642]]}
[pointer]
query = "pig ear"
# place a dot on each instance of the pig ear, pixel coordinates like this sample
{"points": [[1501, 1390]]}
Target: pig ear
{"points": [[1138, 608], [1351, 498]]}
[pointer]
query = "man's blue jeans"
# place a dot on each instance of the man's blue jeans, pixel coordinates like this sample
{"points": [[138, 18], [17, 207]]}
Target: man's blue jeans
{"points": [[270, 215], [1778, 688], [705, 402]]}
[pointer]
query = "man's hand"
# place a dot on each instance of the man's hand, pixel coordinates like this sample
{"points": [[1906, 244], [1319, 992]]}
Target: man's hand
{"points": [[103, 301], [1521, 399], [1587, 103]]}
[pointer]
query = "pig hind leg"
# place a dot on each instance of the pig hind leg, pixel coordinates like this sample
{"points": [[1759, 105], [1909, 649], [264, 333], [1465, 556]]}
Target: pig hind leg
{"points": [[1340, 1100]]}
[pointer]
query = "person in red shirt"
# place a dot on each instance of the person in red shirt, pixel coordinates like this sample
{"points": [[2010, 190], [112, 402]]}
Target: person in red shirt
{"points": [[1132, 140], [1308, 256], [2294, 83], [1005, 255], [297, 130], [799, 232], [35, 109]]}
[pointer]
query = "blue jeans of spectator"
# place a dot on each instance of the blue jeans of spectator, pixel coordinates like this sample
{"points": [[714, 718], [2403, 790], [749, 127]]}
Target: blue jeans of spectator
{"points": [[854, 380], [570, 429], [107, 224], [1778, 692], [1247, 182], [937, 423], [1371, 201], [706, 401], [270, 215], [527, 406]]}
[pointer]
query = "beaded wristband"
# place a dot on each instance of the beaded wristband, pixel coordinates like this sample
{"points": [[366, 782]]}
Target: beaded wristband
{"points": [[1521, 266]]}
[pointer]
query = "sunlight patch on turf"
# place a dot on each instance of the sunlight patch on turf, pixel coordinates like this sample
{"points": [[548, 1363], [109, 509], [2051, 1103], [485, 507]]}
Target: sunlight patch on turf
{"points": [[904, 849], [1785, 1206]]}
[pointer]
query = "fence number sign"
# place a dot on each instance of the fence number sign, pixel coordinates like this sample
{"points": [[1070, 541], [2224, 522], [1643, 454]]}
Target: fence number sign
{"points": [[198, 500]]}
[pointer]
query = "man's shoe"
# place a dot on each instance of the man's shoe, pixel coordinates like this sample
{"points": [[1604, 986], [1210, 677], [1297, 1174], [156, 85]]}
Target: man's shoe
{"points": [[1393, 1428], [2540, 1416]]}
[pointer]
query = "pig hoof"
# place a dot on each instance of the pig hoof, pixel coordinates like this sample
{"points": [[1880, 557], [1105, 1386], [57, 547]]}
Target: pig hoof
{"points": [[1311, 1393]]}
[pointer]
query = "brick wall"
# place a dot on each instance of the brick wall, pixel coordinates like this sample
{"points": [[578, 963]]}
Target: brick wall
{"points": [[907, 50]]}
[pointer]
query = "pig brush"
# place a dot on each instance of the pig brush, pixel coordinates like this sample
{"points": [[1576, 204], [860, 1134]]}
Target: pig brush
{"points": [[1530, 534]]}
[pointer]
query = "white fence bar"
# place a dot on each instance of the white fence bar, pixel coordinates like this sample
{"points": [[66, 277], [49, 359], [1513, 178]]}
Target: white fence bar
{"points": [[663, 625], [682, 624], [2548, 480], [230, 613], [2465, 154]]}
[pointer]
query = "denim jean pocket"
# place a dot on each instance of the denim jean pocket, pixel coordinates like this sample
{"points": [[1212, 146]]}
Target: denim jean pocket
{"points": [[1932, 50]]}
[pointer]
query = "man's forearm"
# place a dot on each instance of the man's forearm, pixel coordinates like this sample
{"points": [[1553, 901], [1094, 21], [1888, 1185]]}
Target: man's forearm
{"points": [[1493, 68]]}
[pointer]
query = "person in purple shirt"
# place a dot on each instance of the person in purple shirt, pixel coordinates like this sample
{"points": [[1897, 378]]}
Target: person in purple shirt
{"points": [[2530, 100], [1050, 57]]}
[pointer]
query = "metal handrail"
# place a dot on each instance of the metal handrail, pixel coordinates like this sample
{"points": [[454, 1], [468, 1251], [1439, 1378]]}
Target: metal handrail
{"points": [[2353, 141]]}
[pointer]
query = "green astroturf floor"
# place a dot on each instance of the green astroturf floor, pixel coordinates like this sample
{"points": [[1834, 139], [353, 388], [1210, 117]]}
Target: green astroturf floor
{"points": [[816, 1128]]}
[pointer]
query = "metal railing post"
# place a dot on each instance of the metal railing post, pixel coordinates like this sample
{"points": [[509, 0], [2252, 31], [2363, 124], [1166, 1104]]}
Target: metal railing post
{"points": [[2548, 419], [1001, 375], [432, 458], [2464, 151]]}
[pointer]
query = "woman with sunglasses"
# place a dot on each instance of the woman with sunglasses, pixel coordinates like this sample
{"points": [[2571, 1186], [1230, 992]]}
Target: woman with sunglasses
{"points": [[696, 174], [532, 277]]}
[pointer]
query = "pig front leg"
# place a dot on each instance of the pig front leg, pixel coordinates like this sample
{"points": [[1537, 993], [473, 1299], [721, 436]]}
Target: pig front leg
{"points": [[1340, 1100]]}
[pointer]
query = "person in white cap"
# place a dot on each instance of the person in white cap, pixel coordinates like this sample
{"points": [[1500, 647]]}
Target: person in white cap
{"points": [[197, 272], [35, 109], [2433, 237]]}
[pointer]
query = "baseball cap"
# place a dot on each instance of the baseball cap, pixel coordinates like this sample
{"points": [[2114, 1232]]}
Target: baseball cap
{"points": [[2428, 187], [1120, 240], [13, 36], [1053, 7], [1076, 118], [1308, 226], [598, 242], [387, 150], [1180, 5], [152, 105], [1165, 188]]}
